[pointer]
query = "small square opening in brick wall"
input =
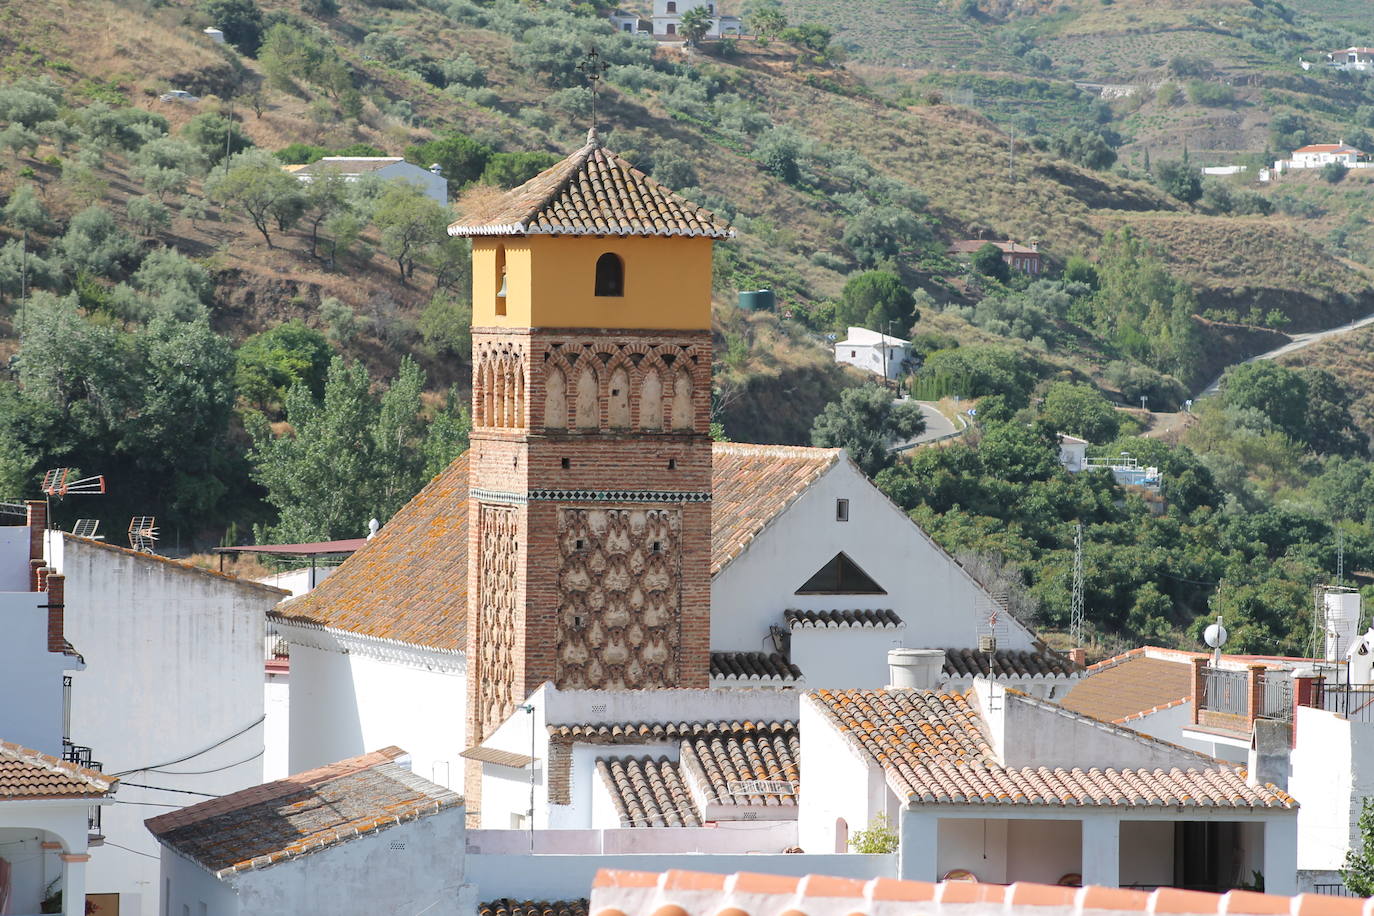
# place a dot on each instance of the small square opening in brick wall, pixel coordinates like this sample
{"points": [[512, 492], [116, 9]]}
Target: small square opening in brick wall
{"points": [[672, 464], [566, 463]]}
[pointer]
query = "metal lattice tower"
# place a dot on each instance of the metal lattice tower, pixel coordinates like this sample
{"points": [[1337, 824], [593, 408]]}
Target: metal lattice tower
{"points": [[1076, 604], [1340, 556]]}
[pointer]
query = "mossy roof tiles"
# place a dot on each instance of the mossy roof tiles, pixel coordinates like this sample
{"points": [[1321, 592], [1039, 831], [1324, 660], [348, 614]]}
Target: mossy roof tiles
{"points": [[29, 774]]}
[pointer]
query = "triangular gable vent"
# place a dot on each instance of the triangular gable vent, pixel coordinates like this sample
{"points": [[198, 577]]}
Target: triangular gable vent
{"points": [[841, 576]]}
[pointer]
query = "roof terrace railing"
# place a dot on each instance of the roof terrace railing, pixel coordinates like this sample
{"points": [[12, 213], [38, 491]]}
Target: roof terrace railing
{"points": [[1276, 695], [1225, 691]]}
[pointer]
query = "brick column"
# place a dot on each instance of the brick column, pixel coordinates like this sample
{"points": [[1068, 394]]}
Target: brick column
{"points": [[36, 575], [1079, 657], [56, 609], [38, 523], [1255, 694], [1198, 665]]}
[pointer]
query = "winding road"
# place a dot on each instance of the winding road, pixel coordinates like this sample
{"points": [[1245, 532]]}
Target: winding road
{"points": [[938, 426], [1298, 342]]}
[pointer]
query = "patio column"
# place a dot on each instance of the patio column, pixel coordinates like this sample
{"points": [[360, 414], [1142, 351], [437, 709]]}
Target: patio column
{"points": [[919, 837], [74, 883], [1281, 854], [1101, 850]]}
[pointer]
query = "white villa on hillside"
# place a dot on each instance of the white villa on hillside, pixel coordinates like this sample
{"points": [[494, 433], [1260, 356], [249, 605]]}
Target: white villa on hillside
{"points": [[1318, 155], [352, 168], [874, 352], [668, 19]]}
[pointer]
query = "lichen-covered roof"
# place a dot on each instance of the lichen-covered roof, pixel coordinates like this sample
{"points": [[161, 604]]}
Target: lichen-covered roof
{"points": [[301, 814], [592, 192]]}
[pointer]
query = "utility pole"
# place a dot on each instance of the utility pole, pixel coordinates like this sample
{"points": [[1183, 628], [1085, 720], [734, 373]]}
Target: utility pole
{"points": [[1076, 603], [24, 283], [1340, 556]]}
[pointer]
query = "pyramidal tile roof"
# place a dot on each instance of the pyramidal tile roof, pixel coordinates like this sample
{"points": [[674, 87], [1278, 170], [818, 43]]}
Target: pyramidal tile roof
{"points": [[592, 192], [30, 774]]}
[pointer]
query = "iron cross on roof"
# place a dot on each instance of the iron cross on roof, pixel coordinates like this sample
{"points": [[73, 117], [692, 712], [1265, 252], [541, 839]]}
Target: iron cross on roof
{"points": [[593, 68]]}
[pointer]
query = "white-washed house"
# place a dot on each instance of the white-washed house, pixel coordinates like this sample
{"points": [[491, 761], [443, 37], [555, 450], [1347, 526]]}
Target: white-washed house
{"points": [[667, 19], [387, 168], [873, 352]]}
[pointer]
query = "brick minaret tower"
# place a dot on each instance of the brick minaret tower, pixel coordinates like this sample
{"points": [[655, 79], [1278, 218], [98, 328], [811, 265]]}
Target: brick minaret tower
{"points": [[589, 513]]}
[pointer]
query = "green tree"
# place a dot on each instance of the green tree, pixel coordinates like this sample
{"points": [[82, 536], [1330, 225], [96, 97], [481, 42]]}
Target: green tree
{"points": [[878, 234], [461, 158], [1358, 873], [239, 20], [866, 423], [411, 225], [149, 214], [509, 170], [1181, 180], [989, 262], [95, 244], [26, 107], [446, 324], [768, 23], [352, 456], [270, 363], [213, 134], [1279, 394], [254, 182], [326, 196], [1079, 410], [779, 151], [878, 839], [25, 211], [695, 23], [874, 299]]}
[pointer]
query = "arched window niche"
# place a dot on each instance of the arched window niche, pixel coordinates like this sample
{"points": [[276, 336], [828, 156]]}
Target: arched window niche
{"points": [[610, 275]]}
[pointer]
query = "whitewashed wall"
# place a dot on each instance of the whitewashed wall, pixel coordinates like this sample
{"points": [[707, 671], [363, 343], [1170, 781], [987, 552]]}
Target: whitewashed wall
{"points": [[1332, 771], [351, 695], [276, 759], [14, 558], [941, 605], [852, 789], [30, 671], [844, 657], [173, 670], [434, 186]]}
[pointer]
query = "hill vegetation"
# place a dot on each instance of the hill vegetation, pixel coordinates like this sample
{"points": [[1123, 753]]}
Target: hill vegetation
{"points": [[154, 255]]}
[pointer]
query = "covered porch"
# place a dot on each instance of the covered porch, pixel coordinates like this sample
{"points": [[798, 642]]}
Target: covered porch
{"points": [[42, 858], [1204, 849]]}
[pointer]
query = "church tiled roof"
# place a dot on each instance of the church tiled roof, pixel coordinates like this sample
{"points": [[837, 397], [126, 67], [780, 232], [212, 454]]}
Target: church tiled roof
{"points": [[749, 667], [409, 582], [592, 192]]}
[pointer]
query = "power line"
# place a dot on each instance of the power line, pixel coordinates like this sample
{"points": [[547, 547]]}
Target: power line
{"points": [[228, 766], [120, 801], [154, 766], [134, 851], [139, 785]]}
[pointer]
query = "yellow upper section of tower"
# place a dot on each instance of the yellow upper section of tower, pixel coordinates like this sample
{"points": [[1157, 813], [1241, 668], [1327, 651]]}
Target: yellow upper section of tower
{"points": [[555, 282]]}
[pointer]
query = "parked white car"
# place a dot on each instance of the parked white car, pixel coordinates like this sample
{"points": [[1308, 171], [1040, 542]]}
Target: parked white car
{"points": [[178, 95]]}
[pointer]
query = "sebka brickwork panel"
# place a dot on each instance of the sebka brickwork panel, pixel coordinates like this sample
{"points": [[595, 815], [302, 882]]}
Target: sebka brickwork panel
{"points": [[620, 602]]}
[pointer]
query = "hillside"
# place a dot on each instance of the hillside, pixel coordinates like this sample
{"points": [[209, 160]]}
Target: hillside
{"points": [[826, 172]]}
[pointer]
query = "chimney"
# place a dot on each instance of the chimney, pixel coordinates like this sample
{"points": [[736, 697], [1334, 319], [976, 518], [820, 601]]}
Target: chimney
{"points": [[1268, 758], [915, 668], [1079, 657], [38, 523], [56, 607]]}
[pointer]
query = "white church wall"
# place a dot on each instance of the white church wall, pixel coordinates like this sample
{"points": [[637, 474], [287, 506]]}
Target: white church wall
{"points": [[173, 683], [936, 599], [351, 695]]}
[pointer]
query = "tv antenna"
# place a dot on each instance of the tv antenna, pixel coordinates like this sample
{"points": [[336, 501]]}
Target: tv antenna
{"points": [[63, 482], [143, 533], [1076, 604], [593, 67], [88, 528], [13, 507]]}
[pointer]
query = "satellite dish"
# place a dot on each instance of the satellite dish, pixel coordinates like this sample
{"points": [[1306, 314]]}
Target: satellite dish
{"points": [[1215, 635]]}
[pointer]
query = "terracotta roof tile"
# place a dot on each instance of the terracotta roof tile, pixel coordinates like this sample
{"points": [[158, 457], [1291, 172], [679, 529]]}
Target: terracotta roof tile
{"points": [[652, 732], [933, 749], [409, 583], [30, 774], [879, 619], [752, 485], [276, 821], [751, 667], [743, 894], [718, 760], [508, 907], [1008, 663], [1128, 686], [592, 192], [647, 792]]}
